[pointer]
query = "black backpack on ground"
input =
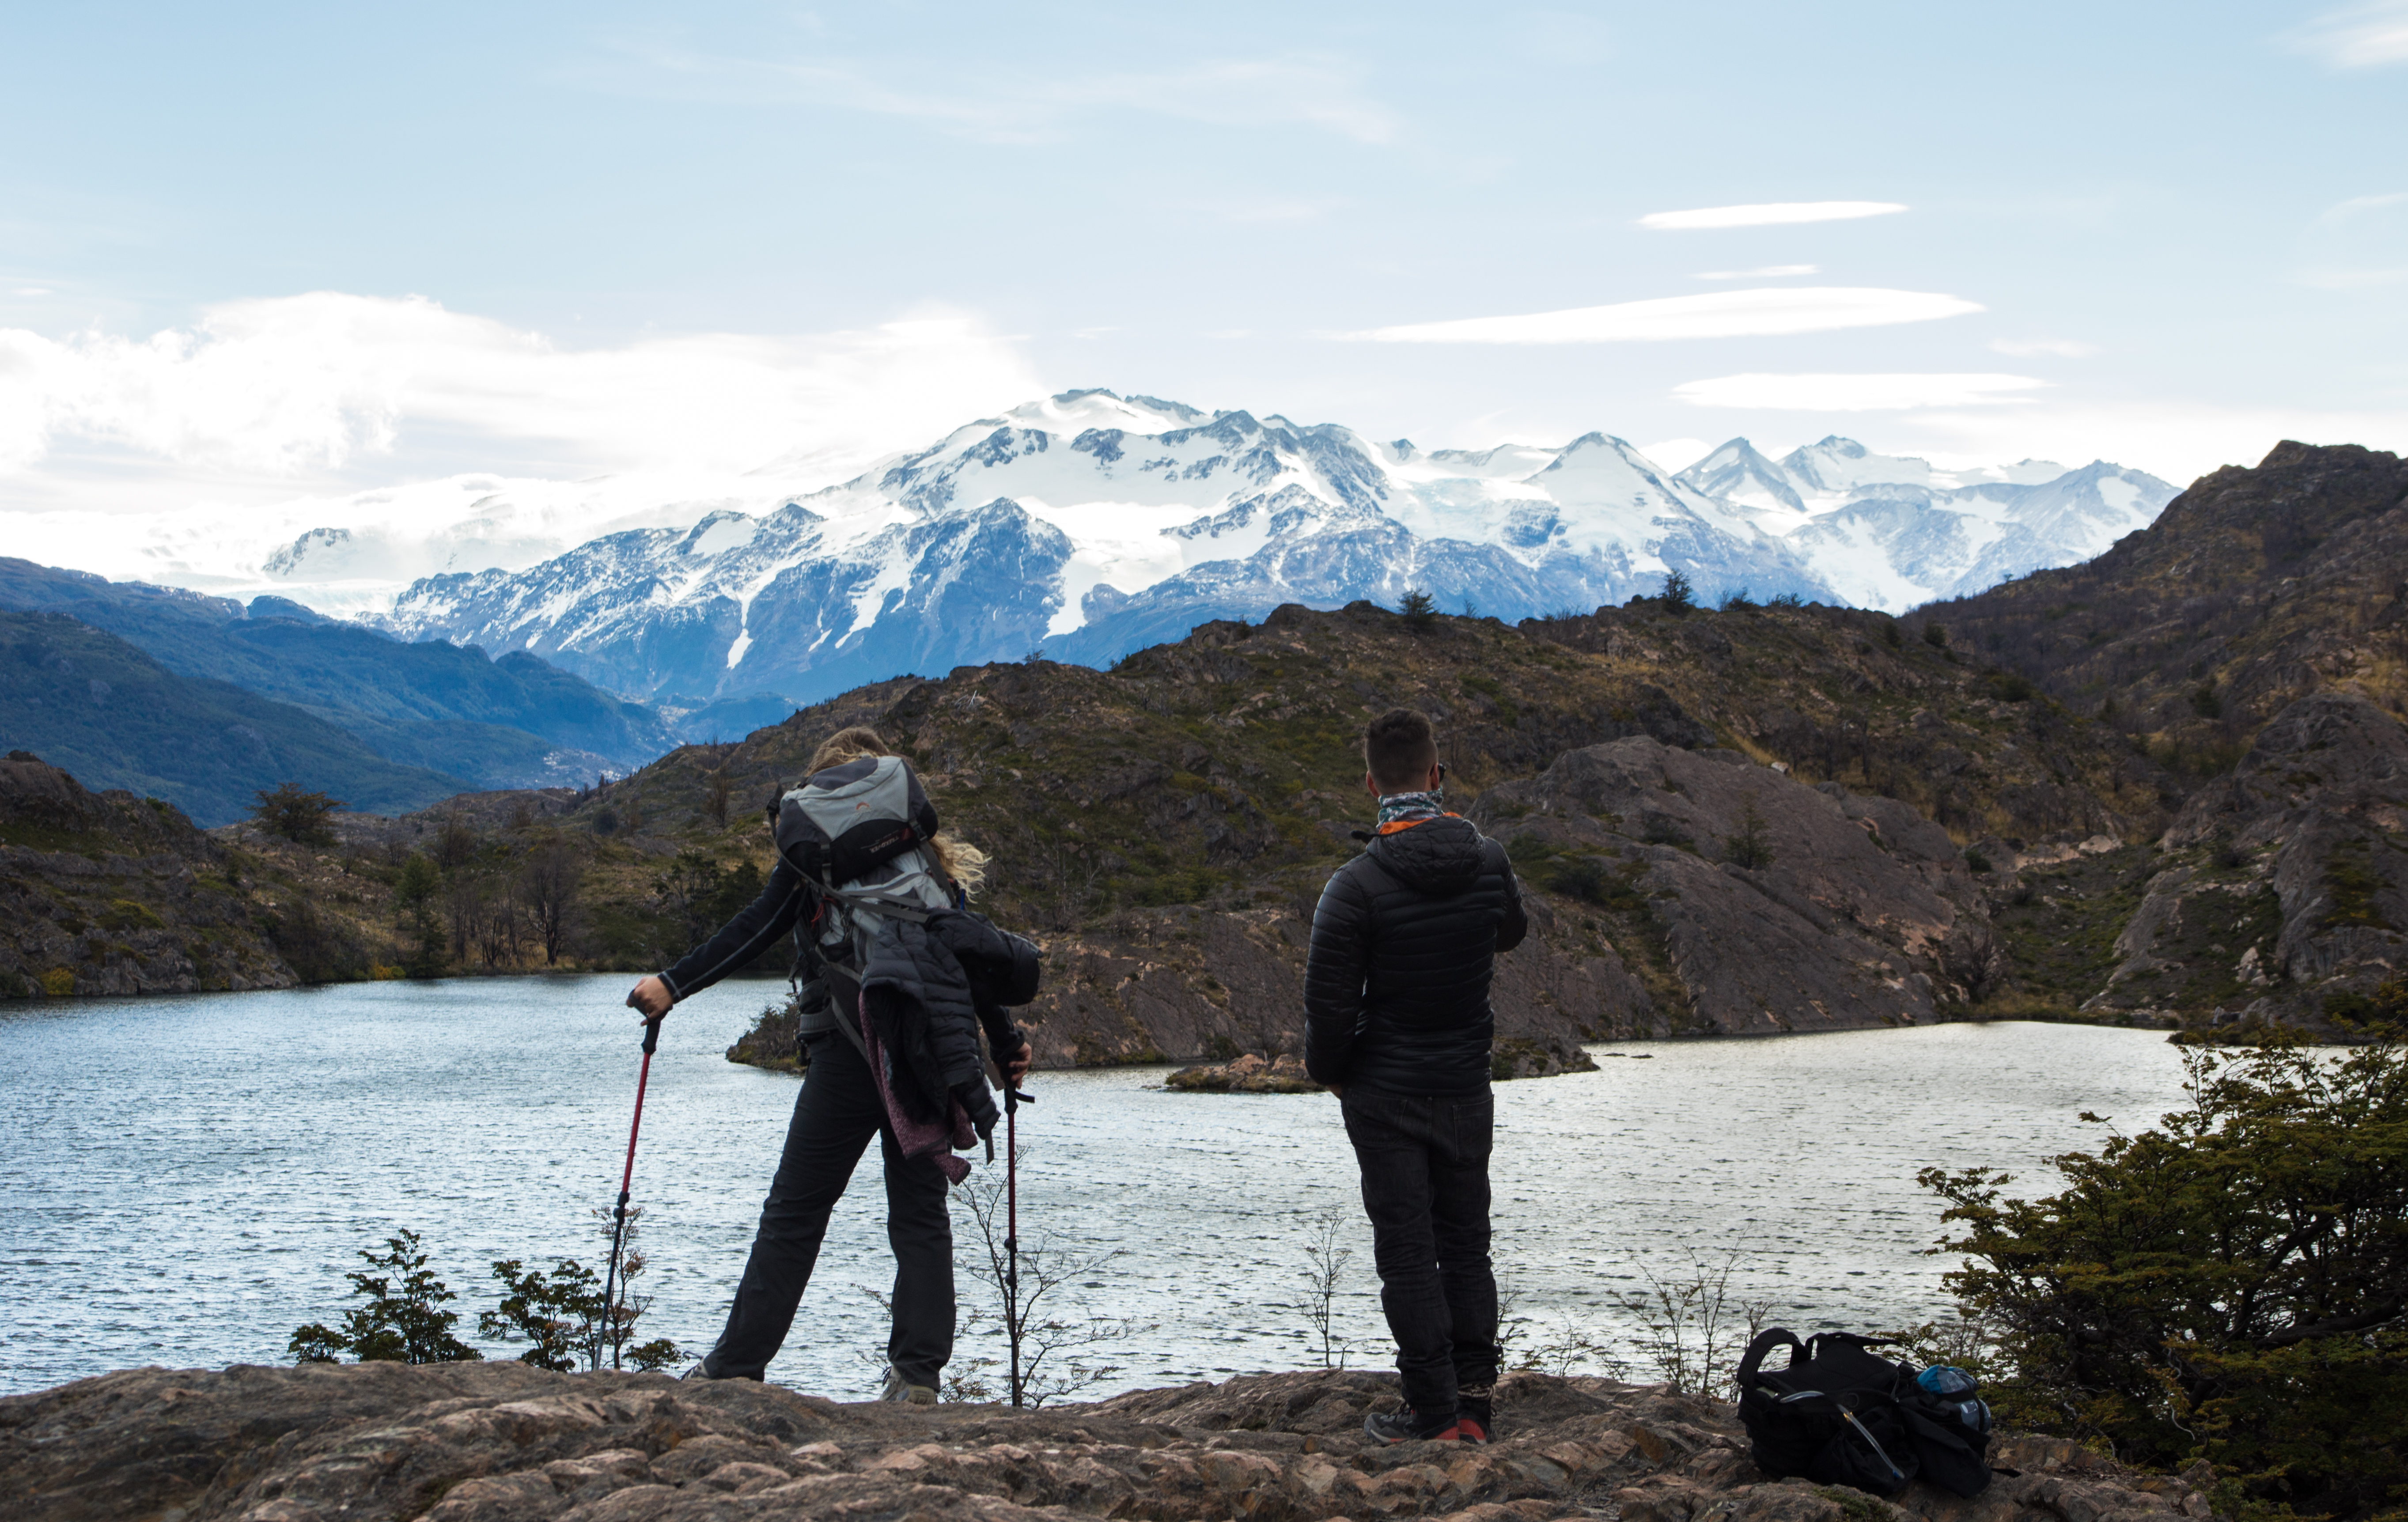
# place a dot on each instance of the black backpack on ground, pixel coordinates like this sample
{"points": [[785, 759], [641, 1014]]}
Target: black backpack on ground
{"points": [[1841, 1414]]}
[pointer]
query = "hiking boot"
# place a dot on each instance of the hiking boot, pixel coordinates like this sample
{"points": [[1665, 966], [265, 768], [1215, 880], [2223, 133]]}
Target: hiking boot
{"points": [[1407, 1425], [897, 1391], [698, 1370], [1477, 1416]]}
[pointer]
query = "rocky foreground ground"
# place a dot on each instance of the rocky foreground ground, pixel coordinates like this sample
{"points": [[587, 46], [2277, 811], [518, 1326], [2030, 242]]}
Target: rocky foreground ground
{"points": [[507, 1442]]}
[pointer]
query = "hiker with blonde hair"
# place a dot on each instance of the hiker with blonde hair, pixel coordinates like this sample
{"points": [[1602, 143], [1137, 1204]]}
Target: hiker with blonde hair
{"points": [[896, 984]]}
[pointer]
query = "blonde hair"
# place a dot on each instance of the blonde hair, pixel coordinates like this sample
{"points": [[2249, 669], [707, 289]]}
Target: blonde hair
{"points": [[958, 861]]}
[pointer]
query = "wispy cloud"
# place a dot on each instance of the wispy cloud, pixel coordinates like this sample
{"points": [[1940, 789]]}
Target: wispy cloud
{"points": [[2360, 242], [296, 384], [2357, 36], [1769, 214], [1854, 393], [1769, 272], [1722, 314], [2052, 348], [1287, 90]]}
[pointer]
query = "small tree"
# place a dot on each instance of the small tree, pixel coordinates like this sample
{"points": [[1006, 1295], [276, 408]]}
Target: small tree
{"points": [[298, 816], [414, 893], [1051, 1348], [403, 1321], [1325, 1266], [1691, 1327], [1751, 844], [1935, 633], [1678, 596], [1420, 609], [548, 887]]}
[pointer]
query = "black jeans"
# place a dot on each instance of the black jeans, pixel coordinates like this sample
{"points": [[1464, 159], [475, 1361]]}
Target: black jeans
{"points": [[1425, 1161], [834, 1117]]}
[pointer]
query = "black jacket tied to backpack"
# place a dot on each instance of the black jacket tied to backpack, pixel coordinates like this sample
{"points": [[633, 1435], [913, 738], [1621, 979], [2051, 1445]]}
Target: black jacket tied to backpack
{"points": [[927, 988], [1404, 946]]}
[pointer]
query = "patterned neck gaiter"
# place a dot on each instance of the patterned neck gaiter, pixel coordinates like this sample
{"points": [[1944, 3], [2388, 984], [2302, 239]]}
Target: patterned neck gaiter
{"points": [[1411, 808]]}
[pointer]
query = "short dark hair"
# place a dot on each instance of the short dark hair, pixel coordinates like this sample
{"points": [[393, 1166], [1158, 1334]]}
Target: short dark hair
{"points": [[1400, 747]]}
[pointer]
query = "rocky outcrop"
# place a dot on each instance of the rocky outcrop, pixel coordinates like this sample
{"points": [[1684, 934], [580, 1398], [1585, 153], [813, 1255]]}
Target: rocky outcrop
{"points": [[2286, 879], [1247, 1074], [507, 1442], [106, 893], [1777, 906]]}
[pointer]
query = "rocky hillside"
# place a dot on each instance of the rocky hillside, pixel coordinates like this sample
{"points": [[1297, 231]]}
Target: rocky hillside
{"points": [[507, 1442], [111, 894], [2254, 643]]}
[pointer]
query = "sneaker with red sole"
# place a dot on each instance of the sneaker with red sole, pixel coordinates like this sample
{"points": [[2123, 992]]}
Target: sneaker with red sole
{"points": [[1407, 1425]]}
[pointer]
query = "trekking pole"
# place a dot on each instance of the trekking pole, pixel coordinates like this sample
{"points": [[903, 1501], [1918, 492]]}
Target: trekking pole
{"points": [[619, 1216], [1012, 1098]]}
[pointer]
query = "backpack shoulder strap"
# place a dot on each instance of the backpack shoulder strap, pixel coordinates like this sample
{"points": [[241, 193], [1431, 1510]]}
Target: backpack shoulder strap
{"points": [[1751, 1363]]}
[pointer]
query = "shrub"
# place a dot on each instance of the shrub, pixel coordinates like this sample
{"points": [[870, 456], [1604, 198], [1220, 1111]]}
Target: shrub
{"points": [[1975, 861], [2226, 1287], [1737, 602], [1935, 635], [299, 816], [1418, 608], [1678, 596], [403, 1321]]}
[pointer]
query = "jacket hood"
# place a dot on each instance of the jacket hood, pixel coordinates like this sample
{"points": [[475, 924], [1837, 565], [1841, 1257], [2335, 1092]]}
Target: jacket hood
{"points": [[1439, 856]]}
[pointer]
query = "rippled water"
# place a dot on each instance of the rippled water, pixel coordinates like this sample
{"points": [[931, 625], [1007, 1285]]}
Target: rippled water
{"points": [[187, 1178]]}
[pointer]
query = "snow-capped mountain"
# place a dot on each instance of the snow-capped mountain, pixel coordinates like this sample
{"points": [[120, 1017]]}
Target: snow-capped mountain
{"points": [[1885, 531], [1089, 525]]}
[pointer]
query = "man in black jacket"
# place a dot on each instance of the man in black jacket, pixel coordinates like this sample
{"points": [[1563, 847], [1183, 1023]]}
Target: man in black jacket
{"points": [[1397, 1025]]}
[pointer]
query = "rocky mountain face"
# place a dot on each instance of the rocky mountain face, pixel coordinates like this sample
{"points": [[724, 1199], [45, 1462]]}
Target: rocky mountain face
{"points": [[507, 1442], [2254, 642], [1090, 525], [515, 722], [112, 894]]}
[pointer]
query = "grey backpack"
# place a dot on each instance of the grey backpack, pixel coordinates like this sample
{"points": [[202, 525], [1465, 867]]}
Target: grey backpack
{"points": [[859, 834]]}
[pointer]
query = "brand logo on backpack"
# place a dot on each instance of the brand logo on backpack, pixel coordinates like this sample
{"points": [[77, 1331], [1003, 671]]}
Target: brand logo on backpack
{"points": [[1841, 1414]]}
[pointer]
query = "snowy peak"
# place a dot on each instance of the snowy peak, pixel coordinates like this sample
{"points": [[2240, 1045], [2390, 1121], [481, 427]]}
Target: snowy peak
{"points": [[1088, 523]]}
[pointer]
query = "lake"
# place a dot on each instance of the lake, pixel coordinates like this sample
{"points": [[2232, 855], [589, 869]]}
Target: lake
{"points": [[188, 1178]]}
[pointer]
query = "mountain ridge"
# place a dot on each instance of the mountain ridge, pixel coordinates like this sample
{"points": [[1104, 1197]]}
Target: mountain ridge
{"points": [[1089, 525]]}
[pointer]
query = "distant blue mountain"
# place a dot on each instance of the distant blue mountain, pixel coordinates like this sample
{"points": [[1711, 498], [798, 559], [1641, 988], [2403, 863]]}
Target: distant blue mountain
{"points": [[516, 722]]}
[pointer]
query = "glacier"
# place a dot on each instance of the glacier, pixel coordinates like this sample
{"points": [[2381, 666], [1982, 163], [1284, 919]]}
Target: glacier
{"points": [[1088, 524]]}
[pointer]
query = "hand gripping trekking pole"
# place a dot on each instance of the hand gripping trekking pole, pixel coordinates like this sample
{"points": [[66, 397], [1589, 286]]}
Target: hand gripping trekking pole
{"points": [[619, 1216]]}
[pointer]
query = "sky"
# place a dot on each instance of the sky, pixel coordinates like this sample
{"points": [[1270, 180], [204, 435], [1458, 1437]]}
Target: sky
{"points": [[256, 261]]}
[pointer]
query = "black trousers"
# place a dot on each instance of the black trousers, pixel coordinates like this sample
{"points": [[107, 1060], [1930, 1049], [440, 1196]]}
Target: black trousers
{"points": [[835, 1116], [1425, 1161]]}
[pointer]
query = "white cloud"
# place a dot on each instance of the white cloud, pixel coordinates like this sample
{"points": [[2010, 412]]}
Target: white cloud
{"points": [[1769, 272], [1677, 453], [295, 384], [1769, 214], [1302, 90], [2359, 242], [1721, 314], [2177, 439], [1852, 393], [2357, 36], [2055, 348]]}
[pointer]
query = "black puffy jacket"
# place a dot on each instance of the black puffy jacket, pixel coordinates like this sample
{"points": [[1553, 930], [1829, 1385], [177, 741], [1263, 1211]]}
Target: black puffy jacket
{"points": [[1396, 991]]}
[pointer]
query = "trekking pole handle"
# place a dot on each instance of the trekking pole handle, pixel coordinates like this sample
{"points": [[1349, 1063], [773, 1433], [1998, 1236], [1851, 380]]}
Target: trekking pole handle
{"points": [[652, 1035]]}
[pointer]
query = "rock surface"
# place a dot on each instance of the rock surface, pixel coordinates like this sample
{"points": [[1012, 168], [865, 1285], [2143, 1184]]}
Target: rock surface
{"points": [[507, 1442], [1780, 906], [1246, 1075], [2312, 820]]}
